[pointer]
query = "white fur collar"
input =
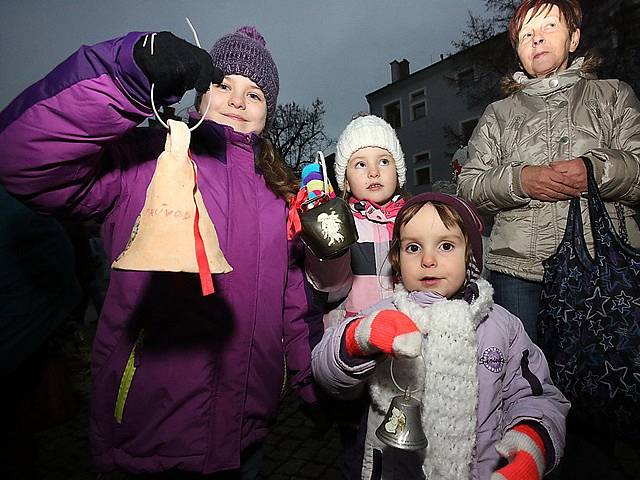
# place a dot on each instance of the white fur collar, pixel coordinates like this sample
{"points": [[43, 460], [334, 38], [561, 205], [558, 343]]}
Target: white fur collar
{"points": [[445, 382]]}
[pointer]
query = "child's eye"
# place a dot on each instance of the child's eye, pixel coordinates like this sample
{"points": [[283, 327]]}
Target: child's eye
{"points": [[412, 248], [385, 161], [255, 96], [360, 165], [447, 246], [224, 86]]}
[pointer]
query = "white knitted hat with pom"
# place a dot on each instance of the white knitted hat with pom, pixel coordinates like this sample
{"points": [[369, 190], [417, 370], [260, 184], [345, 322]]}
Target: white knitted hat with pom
{"points": [[368, 131]]}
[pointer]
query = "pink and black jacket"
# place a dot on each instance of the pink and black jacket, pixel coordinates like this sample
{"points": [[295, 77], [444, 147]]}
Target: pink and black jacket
{"points": [[363, 276]]}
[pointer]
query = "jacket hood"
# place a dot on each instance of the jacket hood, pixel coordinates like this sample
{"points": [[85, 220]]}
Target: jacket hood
{"points": [[581, 67]]}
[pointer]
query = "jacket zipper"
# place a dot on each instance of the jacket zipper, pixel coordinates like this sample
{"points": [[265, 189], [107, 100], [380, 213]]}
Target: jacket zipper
{"points": [[283, 389]]}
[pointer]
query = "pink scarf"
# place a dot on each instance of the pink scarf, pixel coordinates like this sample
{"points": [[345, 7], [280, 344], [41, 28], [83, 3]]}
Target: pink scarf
{"points": [[380, 214]]}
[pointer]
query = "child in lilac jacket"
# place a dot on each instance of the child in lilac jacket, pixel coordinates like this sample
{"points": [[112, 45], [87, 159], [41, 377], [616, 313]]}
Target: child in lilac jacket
{"points": [[486, 396]]}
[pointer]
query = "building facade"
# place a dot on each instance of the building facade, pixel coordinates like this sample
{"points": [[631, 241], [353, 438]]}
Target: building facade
{"points": [[431, 112]]}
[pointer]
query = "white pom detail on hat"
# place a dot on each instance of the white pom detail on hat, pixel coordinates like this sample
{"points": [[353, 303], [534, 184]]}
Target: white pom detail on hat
{"points": [[368, 131]]}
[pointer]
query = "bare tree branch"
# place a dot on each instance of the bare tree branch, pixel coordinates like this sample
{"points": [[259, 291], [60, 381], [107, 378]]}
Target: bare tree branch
{"points": [[298, 132]]}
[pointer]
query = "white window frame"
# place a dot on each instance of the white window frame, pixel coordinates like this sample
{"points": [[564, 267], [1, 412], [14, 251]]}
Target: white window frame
{"points": [[422, 163], [415, 176], [412, 103]]}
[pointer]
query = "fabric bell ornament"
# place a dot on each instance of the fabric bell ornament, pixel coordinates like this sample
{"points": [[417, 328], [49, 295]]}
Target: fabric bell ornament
{"points": [[174, 232]]}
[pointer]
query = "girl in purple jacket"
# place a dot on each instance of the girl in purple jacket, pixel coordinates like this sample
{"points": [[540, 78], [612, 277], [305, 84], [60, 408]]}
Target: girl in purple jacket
{"points": [[489, 409], [181, 381]]}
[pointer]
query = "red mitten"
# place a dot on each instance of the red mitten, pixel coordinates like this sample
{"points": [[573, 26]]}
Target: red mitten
{"points": [[524, 448], [387, 331]]}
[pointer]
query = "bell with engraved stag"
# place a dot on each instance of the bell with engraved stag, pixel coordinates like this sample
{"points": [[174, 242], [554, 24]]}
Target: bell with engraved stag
{"points": [[402, 427]]}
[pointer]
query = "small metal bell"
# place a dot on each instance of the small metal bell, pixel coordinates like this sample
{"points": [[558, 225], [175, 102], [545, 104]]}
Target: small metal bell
{"points": [[402, 427]]}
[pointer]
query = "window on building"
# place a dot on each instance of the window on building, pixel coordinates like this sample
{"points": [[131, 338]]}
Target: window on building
{"points": [[419, 110], [422, 175], [418, 104], [466, 129], [422, 157], [417, 96], [393, 114], [466, 77]]}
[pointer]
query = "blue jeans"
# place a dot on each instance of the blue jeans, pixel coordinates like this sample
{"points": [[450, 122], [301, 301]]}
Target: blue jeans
{"points": [[520, 297]]}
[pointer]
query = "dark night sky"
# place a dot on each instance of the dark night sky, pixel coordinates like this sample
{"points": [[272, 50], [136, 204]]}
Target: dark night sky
{"points": [[335, 50]]}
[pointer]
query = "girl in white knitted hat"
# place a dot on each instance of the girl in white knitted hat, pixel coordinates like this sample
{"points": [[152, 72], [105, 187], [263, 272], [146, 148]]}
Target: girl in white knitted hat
{"points": [[370, 172]]}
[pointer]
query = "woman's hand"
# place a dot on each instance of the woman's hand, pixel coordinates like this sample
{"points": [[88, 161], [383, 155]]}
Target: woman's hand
{"points": [[550, 184], [574, 170]]}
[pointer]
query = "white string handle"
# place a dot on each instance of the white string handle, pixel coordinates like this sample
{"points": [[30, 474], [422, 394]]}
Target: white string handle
{"points": [[193, 30], [153, 105], [393, 379], [320, 160]]}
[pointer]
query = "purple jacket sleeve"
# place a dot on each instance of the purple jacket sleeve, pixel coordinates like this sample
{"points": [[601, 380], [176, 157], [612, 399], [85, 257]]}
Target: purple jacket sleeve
{"points": [[339, 378], [302, 325], [58, 136], [528, 392]]}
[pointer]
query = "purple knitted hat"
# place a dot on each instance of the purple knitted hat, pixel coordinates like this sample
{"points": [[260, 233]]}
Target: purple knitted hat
{"points": [[244, 52], [471, 220]]}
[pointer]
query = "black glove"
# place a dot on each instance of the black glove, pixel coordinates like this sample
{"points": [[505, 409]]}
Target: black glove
{"points": [[176, 66]]}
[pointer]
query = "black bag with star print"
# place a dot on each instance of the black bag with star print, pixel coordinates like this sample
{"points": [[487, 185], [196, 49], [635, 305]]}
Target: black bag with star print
{"points": [[589, 320]]}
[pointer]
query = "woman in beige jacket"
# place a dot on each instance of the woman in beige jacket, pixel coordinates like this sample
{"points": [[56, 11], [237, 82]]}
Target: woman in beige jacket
{"points": [[524, 155]]}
